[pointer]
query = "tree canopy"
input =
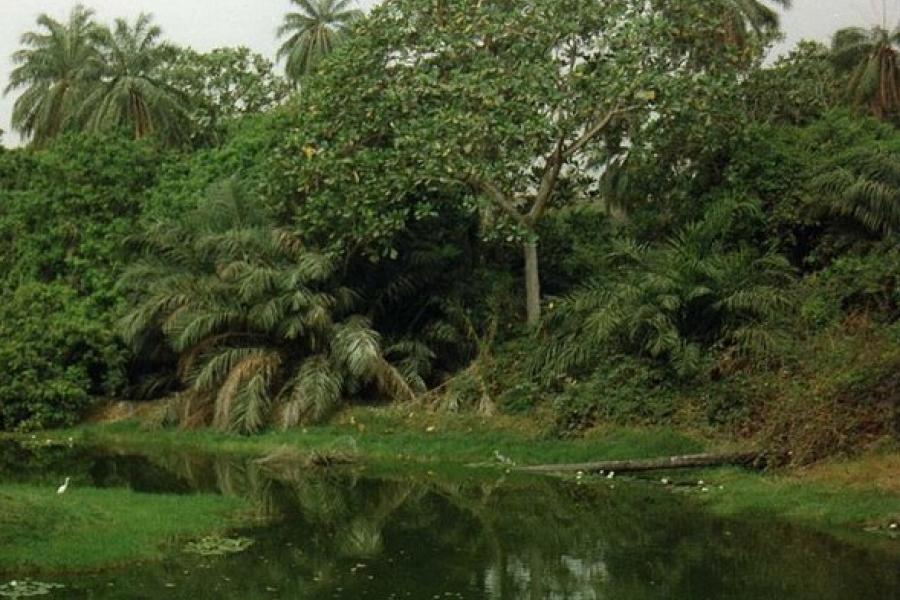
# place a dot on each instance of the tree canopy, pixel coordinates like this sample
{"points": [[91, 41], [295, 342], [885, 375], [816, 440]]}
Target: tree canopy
{"points": [[503, 104]]}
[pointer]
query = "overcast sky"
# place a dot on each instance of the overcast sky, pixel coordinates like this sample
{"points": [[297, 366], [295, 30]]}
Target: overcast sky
{"points": [[206, 24]]}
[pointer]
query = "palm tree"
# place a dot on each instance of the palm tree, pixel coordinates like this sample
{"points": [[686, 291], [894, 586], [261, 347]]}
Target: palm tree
{"points": [[870, 58], [313, 33], [753, 16], [131, 92], [862, 184], [263, 331], [54, 66], [697, 292]]}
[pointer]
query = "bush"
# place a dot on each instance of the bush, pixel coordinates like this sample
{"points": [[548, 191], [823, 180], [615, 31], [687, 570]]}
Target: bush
{"points": [[841, 394], [867, 283], [57, 354], [622, 389]]}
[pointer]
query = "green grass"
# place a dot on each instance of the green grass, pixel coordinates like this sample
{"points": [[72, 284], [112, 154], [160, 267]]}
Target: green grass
{"points": [[797, 500], [90, 528], [386, 435]]}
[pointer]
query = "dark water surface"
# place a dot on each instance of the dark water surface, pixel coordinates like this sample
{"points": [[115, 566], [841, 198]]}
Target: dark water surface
{"points": [[348, 534]]}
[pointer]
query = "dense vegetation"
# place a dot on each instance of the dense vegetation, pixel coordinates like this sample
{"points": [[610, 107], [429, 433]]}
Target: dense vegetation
{"points": [[587, 212]]}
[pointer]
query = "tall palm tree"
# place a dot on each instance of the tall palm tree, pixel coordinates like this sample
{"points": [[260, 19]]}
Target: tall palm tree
{"points": [[54, 67], [313, 33], [870, 57], [746, 18], [131, 92]]}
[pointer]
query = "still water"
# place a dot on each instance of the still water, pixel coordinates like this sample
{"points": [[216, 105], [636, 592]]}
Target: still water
{"points": [[346, 533]]}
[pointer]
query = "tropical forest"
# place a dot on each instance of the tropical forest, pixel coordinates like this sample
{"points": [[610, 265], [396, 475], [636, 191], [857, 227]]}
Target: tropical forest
{"points": [[501, 299]]}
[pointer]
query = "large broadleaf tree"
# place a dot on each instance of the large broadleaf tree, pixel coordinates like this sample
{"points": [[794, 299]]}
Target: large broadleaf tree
{"points": [[505, 102]]}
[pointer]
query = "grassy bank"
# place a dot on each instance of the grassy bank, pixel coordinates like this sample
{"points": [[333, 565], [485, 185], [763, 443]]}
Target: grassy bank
{"points": [[816, 501], [392, 436], [90, 528]]}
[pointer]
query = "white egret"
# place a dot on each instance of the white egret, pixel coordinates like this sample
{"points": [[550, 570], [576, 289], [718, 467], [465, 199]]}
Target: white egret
{"points": [[62, 489], [503, 459]]}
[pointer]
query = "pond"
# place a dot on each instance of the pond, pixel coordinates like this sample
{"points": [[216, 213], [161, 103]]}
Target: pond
{"points": [[348, 533]]}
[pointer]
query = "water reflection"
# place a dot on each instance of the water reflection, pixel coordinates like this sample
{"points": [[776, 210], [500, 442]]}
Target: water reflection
{"points": [[345, 534]]}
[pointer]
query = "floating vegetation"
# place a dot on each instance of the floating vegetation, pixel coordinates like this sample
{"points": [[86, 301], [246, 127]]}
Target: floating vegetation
{"points": [[27, 589], [218, 546]]}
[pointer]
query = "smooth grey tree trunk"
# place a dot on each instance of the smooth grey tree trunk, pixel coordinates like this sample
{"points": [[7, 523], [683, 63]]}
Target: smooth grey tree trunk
{"points": [[532, 284]]}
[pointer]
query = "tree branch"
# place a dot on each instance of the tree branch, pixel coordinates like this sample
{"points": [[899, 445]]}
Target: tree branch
{"points": [[498, 197], [548, 183], [589, 135]]}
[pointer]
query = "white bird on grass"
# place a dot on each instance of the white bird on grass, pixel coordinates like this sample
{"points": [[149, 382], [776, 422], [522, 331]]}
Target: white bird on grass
{"points": [[62, 489]]}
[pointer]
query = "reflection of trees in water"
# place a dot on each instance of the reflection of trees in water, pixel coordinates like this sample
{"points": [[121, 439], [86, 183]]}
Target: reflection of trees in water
{"points": [[533, 538], [505, 539], [521, 536]]}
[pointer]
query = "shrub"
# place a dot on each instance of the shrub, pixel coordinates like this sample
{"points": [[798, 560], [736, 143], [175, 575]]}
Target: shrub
{"points": [[58, 355], [621, 389], [840, 395]]}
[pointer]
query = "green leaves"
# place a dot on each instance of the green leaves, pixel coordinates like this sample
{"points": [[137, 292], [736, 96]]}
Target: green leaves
{"points": [[221, 86], [58, 354]]}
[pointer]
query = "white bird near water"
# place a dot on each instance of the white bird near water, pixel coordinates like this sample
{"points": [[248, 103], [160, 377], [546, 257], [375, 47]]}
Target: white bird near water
{"points": [[611, 475], [503, 459], [62, 489]]}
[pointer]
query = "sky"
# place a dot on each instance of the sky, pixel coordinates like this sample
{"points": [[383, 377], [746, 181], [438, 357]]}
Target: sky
{"points": [[207, 24]]}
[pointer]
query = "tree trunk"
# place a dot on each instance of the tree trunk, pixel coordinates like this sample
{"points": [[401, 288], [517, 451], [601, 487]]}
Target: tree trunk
{"points": [[532, 283], [653, 464]]}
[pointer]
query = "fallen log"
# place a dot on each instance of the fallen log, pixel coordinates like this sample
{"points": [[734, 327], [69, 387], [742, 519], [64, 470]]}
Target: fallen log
{"points": [[686, 461]]}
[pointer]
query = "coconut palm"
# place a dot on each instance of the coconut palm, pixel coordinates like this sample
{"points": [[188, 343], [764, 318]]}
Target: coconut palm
{"points": [[131, 92], [313, 32], [757, 16], [870, 58], [742, 20], [263, 331], [54, 67]]}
